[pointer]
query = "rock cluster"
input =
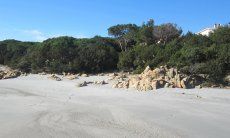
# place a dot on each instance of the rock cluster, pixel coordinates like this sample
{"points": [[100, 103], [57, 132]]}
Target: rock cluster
{"points": [[162, 77], [85, 83], [9, 73], [117, 76], [54, 77], [99, 82]]}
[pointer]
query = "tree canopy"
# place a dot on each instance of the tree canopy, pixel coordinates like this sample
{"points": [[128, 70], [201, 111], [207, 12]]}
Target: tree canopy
{"points": [[131, 48]]}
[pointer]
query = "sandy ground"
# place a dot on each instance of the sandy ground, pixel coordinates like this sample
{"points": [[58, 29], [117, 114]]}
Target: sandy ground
{"points": [[35, 107]]}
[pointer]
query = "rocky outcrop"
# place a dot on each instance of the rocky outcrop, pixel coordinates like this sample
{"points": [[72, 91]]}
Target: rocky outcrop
{"points": [[7, 73], [162, 77]]}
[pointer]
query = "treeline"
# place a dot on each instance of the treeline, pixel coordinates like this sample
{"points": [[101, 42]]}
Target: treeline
{"points": [[62, 54], [131, 48]]}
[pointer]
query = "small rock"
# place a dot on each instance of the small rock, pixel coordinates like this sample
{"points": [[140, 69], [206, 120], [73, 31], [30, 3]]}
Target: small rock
{"points": [[43, 73], [199, 87], [113, 75], [183, 83], [71, 77], [81, 84], [84, 75], [147, 69], [155, 85], [24, 74], [115, 86], [166, 85], [99, 82], [111, 78], [101, 74], [54, 77], [102, 82], [148, 87]]}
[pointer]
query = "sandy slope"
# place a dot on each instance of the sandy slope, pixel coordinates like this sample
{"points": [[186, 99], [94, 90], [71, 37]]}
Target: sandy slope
{"points": [[34, 106]]}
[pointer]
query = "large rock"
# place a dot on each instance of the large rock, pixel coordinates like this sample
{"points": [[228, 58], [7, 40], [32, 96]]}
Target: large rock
{"points": [[145, 84], [134, 82]]}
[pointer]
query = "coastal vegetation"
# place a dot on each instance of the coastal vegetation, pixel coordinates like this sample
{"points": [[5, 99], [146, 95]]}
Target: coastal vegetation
{"points": [[130, 48]]}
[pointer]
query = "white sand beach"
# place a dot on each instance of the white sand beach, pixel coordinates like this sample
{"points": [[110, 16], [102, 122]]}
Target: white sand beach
{"points": [[36, 107]]}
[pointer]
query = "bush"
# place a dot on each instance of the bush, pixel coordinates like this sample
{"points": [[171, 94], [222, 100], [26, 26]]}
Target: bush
{"points": [[221, 35], [24, 65], [126, 60], [146, 45], [97, 58]]}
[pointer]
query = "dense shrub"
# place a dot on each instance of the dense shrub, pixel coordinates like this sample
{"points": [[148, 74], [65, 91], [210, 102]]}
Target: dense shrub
{"points": [[97, 58], [192, 54], [132, 49], [126, 60]]}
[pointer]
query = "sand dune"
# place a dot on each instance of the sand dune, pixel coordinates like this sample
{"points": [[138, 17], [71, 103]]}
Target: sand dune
{"points": [[34, 106]]}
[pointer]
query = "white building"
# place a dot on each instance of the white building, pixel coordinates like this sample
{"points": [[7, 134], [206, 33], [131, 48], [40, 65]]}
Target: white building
{"points": [[208, 31]]}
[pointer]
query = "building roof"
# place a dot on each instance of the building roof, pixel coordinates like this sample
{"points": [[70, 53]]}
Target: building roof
{"points": [[208, 31]]}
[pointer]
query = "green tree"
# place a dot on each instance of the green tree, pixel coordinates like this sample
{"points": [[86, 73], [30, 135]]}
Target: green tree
{"points": [[97, 58], [126, 60], [3, 50], [167, 32], [221, 35], [125, 35], [146, 33]]}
